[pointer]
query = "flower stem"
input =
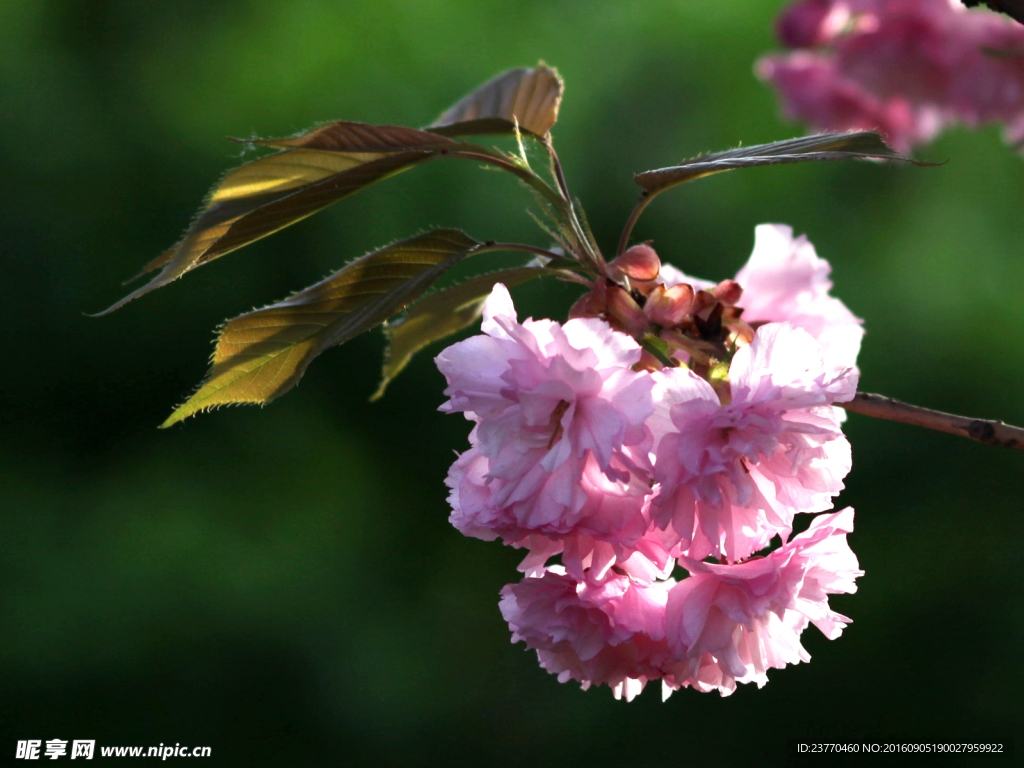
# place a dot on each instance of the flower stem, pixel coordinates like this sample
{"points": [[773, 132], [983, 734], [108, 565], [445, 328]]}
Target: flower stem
{"points": [[491, 245], [588, 255], [560, 266], [529, 177], [591, 251], [556, 169], [983, 430], [645, 199]]}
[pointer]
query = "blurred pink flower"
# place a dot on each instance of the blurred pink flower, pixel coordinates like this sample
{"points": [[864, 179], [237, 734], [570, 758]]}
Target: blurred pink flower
{"points": [[732, 474], [813, 91], [811, 23], [611, 634], [907, 68], [729, 624]]}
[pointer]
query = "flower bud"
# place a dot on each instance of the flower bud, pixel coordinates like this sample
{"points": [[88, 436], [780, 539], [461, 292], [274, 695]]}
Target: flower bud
{"points": [[727, 291], [590, 304], [668, 306], [639, 263], [624, 313]]}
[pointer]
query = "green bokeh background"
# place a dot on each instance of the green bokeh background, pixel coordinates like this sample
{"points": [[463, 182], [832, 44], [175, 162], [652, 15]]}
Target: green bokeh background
{"points": [[282, 583]]}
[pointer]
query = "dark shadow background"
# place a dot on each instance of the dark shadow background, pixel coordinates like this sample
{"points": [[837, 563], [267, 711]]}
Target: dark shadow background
{"points": [[282, 584]]}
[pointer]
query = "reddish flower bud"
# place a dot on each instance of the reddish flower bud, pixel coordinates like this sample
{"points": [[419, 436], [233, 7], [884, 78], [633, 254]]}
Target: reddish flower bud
{"points": [[639, 263], [702, 302], [590, 304], [624, 313], [668, 307], [727, 291]]}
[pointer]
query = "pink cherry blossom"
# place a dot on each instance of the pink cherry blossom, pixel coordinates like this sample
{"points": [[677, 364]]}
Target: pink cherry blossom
{"points": [[550, 402], [619, 473], [608, 634], [729, 624], [906, 68], [733, 473]]}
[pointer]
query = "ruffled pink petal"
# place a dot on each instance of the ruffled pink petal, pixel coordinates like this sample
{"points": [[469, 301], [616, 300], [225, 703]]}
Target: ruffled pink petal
{"points": [[592, 521], [729, 624], [609, 634], [785, 281]]}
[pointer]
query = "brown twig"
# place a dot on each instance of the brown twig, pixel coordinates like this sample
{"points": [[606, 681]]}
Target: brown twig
{"points": [[983, 430]]}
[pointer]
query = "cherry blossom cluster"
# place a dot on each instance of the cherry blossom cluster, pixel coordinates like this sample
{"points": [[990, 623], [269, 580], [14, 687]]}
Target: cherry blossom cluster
{"points": [[907, 68], [659, 445]]}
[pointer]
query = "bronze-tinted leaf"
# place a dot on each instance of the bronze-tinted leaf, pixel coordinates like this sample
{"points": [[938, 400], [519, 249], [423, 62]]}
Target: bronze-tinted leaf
{"points": [[443, 313], [529, 96], [828, 146], [483, 127], [348, 136], [262, 354], [316, 169]]}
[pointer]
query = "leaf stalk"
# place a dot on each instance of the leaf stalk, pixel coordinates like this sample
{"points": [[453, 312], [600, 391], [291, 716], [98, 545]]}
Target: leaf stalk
{"points": [[642, 203]]}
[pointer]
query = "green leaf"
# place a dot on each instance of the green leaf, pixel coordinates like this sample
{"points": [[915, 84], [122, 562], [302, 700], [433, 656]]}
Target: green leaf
{"points": [[262, 354], [828, 146], [527, 96], [314, 170], [443, 313]]}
